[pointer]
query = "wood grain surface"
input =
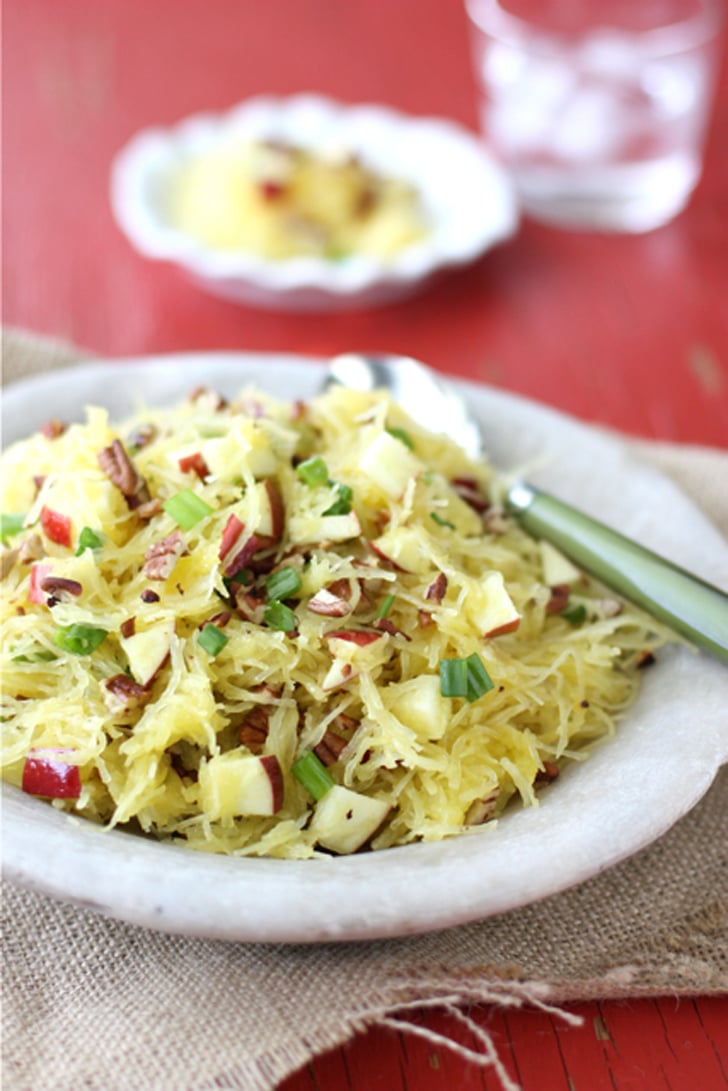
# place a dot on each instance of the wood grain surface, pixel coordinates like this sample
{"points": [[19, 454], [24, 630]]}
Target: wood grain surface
{"points": [[630, 332]]}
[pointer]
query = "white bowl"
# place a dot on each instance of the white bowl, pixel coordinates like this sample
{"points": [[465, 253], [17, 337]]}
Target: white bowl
{"points": [[629, 791], [467, 198]]}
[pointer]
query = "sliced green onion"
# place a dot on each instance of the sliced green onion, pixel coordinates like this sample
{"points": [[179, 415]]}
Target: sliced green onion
{"points": [[42, 656], [79, 639], [402, 436], [212, 639], [88, 539], [283, 584], [11, 525], [574, 614], [279, 616], [313, 775], [440, 521], [313, 471], [386, 606], [466, 678], [479, 681], [453, 677], [342, 504], [186, 508]]}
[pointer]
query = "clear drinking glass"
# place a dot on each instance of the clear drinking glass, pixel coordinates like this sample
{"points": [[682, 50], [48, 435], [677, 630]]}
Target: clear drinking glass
{"points": [[598, 108]]}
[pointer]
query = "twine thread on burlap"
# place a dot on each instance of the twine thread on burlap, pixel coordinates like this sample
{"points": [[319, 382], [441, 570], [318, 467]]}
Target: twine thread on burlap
{"points": [[90, 1003]]}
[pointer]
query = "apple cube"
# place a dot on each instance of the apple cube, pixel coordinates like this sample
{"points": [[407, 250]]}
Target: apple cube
{"points": [[239, 783], [344, 820], [489, 606], [389, 464], [404, 549], [147, 651], [557, 569], [323, 528], [339, 674], [419, 705]]}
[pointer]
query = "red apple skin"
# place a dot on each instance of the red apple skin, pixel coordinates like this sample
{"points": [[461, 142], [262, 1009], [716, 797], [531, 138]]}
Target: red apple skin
{"points": [[49, 777], [38, 573], [509, 627], [231, 532], [383, 556], [194, 463], [56, 526], [275, 775], [355, 636], [277, 509]]}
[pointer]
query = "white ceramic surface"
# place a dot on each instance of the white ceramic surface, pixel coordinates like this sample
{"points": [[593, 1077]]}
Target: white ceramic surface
{"points": [[467, 198], [630, 791]]}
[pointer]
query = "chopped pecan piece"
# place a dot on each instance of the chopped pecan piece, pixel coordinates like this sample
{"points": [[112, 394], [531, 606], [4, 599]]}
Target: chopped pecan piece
{"points": [[328, 605], [250, 605], [559, 598], [330, 749], [425, 619], [208, 399], [162, 556], [470, 491], [32, 549], [128, 627], [123, 694], [609, 607], [53, 428], [344, 722], [149, 508], [8, 558], [645, 659], [482, 809], [142, 435], [386, 626], [120, 470], [438, 587], [495, 521], [220, 619], [60, 589], [549, 772], [253, 730]]}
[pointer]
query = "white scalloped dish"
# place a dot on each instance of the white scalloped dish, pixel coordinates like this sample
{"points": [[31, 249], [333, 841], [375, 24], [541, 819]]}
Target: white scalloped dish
{"points": [[631, 789], [467, 200]]}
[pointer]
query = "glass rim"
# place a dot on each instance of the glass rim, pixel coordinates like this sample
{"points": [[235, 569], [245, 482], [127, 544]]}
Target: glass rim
{"points": [[492, 19]]}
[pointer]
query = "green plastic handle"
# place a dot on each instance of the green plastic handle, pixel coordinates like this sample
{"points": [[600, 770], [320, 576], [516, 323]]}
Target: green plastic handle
{"points": [[690, 606]]}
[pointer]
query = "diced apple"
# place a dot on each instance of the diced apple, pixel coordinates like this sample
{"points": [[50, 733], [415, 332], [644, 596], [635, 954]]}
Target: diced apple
{"points": [[147, 651], [389, 464], [557, 569], [271, 511], [490, 607], [403, 548], [46, 773], [344, 820], [323, 528], [419, 705], [339, 674], [239, 783]]}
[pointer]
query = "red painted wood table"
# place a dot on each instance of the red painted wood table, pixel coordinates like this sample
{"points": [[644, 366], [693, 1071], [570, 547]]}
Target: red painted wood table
{"points": [[631, 332]]}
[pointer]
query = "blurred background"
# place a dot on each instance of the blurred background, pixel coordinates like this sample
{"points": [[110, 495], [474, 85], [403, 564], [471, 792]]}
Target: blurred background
{"points": [[590, 323]]}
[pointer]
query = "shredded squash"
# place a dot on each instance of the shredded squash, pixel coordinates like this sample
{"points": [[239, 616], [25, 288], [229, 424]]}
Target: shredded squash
{"points": [[206, 607]]}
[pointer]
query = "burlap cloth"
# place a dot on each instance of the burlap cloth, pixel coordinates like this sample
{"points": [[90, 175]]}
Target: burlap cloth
{"points": [[93, 1004]]}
